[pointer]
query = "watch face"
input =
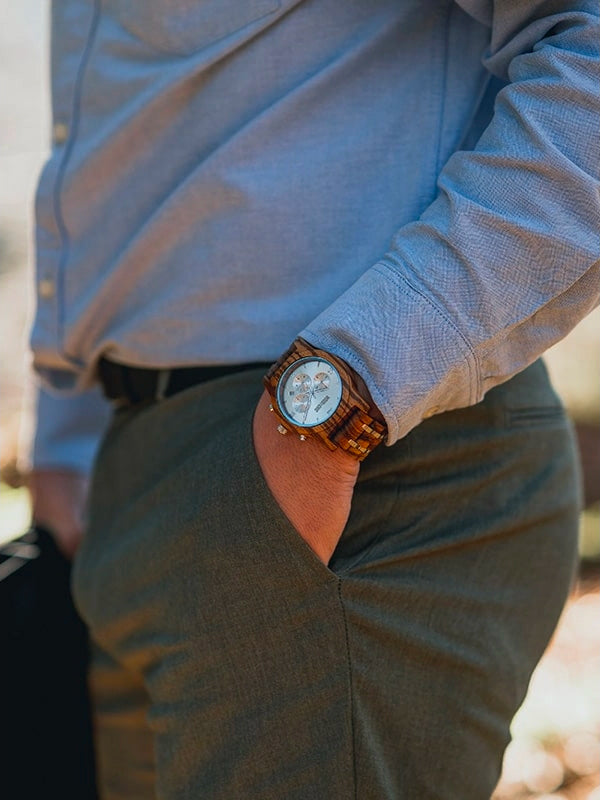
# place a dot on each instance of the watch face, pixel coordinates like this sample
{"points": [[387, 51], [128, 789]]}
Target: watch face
{"points": [[309, 392]]}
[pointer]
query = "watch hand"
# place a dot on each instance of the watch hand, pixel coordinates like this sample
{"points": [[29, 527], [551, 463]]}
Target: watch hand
{"points": [[310, 396]]}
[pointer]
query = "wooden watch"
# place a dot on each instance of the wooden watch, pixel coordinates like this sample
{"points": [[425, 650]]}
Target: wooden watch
{"points": [[314, 393]]}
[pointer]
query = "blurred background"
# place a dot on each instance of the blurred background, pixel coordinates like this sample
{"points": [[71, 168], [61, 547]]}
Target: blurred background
{"points": [[555, 752]]}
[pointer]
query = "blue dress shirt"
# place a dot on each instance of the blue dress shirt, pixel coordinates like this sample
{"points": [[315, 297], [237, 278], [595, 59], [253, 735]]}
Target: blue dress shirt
{"points": [[410, 185]]}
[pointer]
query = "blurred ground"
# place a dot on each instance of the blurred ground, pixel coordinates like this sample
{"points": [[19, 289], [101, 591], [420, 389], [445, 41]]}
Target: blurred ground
{"points": [[555, 751]]}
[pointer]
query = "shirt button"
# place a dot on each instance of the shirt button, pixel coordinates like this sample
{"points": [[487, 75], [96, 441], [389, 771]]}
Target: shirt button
{"points": [[46, 288], [60, 132], [431, 411]]}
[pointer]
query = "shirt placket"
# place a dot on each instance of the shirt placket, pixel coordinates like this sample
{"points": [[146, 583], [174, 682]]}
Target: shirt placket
{"points": [[73, 29]]}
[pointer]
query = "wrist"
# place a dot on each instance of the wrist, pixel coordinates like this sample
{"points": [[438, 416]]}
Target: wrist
{"points": [[289, 447], [316, 394]]}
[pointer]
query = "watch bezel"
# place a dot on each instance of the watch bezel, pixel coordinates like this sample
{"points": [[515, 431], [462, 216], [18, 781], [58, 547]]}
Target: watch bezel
{"points": [[282, 380]]}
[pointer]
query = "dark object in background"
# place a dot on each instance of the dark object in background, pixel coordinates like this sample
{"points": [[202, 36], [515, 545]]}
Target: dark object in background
{"points": [[46, 745]]}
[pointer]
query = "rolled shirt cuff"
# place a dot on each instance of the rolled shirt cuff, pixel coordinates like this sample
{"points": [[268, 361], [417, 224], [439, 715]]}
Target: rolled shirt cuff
{"points": [[412, 357]]}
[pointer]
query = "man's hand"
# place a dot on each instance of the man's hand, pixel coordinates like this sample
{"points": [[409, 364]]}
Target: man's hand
{"points": [[312, 484], [58, 499]]}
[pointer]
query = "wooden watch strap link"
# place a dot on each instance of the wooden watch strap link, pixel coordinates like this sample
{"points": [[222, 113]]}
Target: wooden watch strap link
{"points": [[359, 434]]}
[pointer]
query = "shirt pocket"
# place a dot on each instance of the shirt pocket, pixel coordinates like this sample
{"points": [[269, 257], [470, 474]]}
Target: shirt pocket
{"points": [[183, 27]]}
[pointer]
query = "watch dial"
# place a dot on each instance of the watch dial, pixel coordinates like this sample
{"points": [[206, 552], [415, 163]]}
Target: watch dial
{"points": [[309, 391]]}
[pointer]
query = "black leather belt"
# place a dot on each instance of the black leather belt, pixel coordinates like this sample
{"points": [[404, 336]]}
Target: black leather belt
{"points": [[130, 385]]}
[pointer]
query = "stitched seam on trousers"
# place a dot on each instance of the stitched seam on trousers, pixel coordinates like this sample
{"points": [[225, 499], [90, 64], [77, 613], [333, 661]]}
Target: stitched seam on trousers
{"points": [[350, 688], [522, 417]]}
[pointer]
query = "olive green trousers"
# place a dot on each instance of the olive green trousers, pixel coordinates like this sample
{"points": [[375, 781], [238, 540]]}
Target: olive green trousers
{"points": [[231, 664]]}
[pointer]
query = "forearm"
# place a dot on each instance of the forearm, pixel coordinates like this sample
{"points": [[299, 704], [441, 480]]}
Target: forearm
{"points": [[58, 461]]}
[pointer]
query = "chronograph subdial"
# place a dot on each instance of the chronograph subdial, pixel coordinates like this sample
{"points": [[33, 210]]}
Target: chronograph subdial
{"points": [[301, 383], [321, 382], [301, 403]]}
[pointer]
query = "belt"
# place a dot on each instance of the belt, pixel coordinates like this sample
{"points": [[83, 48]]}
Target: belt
{"points": [[130, 385]]}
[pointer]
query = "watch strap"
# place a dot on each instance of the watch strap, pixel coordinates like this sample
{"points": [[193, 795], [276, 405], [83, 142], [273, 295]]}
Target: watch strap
{"points": [[359, 434]]}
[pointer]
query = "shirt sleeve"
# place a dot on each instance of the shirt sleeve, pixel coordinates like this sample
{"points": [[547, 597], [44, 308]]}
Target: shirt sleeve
{"points": [[504, 262], [67, 430]]}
